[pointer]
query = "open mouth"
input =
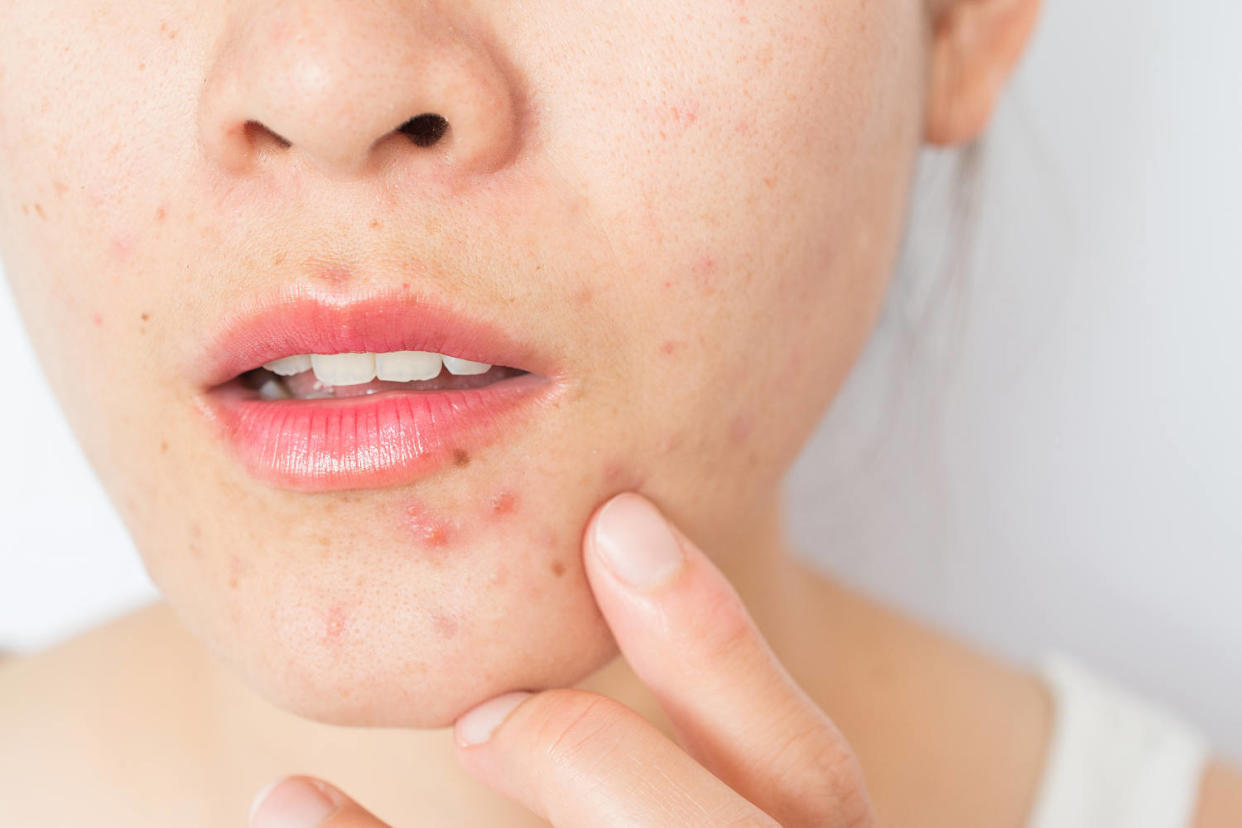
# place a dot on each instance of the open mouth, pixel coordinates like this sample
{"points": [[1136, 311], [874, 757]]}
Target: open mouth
{"points": [[328, 376], [318, 396]]}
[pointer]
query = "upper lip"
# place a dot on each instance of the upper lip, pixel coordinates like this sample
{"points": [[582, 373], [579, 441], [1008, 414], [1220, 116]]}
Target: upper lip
{"points": [[299, 322]]}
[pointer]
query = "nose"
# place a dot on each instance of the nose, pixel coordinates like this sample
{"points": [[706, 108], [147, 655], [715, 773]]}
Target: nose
{"points": [[352, 85]]}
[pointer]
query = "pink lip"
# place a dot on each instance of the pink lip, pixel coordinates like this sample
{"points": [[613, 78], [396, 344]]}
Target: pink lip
{"points": [[385, 439]]}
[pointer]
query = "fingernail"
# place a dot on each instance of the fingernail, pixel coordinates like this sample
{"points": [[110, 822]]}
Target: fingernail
{"points": [[477, 726], [290, 803], [636, 543]]}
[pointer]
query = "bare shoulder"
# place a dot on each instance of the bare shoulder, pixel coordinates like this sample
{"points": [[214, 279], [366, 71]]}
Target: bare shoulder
{"points": [[1220, 801], [94, 714]]}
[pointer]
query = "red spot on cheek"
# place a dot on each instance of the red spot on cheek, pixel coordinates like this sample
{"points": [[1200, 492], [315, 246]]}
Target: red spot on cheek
{"points": [[121, 248], [334, 624], [704, 270], [98, 320], [670, 346], [504, 503]]}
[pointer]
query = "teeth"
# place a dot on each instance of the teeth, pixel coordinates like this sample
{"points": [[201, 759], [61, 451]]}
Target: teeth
{"points": [[405, 366], [357, 369], [274, 389], [462, 367], [290, 365], [343, 369]]}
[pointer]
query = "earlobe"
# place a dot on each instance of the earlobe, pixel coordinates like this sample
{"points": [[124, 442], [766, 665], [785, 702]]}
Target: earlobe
{"points": [[975, 47]]}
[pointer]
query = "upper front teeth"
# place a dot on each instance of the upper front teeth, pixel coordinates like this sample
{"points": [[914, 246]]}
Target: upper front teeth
{"points": [[356, 369]]}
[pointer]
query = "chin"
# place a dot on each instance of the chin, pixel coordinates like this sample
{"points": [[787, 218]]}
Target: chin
{"points": [[351, 634]]}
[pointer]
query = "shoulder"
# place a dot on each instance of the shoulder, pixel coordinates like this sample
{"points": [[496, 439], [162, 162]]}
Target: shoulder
{"points": [[95, 714]]}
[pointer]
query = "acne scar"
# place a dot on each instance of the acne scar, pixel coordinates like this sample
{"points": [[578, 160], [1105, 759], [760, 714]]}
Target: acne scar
{"points": [[445, 625]]}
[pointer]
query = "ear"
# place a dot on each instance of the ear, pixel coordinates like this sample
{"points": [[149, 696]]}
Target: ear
{"points": [[975, 47]]}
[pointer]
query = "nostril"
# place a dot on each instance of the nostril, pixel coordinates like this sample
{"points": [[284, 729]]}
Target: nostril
{"points": [[424, 130], [257, 134]]}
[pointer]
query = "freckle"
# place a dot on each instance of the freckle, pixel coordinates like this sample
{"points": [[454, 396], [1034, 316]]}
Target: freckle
{"points": [[375, 223], [196, 531], [461, 458], [558, 568], [60, 187], [504, 503], [145, 317], [39, 209], [444, 625], [583, 296], [278, 259], [770, 181], [334, 624], [142, 65], [196, 551], [25, 209], [161, 214], [163, 447]]}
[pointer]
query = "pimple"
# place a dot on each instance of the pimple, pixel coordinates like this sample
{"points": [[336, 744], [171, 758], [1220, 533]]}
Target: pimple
{"points": [[504, 503], [163, 447], [334, 624], [428, 530], [98, 320], [670, 346]]}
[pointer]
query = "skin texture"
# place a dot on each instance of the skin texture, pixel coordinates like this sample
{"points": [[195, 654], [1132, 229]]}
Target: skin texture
{"points": [[695, 210], [695, 207]]}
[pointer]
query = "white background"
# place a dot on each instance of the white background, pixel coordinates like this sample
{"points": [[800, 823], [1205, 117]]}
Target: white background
{"points": [[1052, 459]]}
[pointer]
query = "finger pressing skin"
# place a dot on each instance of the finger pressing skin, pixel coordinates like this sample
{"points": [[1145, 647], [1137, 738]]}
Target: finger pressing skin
{"points": [[302, 802], [683, 628], [581, 759]]}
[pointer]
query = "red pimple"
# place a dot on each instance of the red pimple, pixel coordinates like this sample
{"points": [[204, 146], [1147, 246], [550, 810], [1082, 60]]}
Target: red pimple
{"points": [[504, 503], [334, 624], [98, 320], [430, 531]]}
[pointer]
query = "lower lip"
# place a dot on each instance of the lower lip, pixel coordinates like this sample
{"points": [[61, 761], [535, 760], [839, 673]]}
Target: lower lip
{"points": [[376, 441]]}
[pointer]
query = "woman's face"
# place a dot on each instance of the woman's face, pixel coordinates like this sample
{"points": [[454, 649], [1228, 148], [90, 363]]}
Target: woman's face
{"points": [[678, 218]]}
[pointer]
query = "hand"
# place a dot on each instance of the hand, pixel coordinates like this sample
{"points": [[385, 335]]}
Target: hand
{"points": [[757, 750]]}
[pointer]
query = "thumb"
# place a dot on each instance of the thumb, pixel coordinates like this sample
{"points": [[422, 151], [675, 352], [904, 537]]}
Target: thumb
{"points": [[303, 802]]}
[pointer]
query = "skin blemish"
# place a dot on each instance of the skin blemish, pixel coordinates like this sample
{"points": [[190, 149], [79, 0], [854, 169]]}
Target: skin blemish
{"points": [[145, 317], [98, 320], [461, 458], [670, 347], [278, 259], [500, 576], [741, 427], [558, 568], [60, 187], [429, 531], [38, 208], [504, 503], [163, 447], [704, 270], [334, 624], [161, 213], [236, 569], [583, 296], [335, 274], [445, 625], [376, 224]]}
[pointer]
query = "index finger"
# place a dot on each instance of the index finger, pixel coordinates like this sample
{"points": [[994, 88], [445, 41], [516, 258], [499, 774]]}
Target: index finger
{"points": [[685, 631]]}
